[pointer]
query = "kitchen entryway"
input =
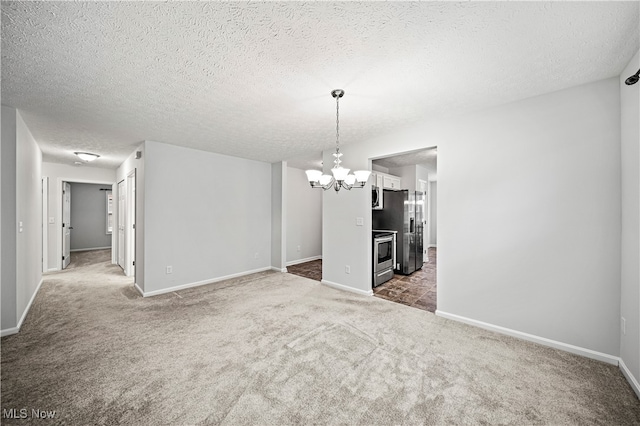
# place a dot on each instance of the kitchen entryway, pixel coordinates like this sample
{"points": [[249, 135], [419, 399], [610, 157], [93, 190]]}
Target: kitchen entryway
{"points": [[311, 270], [417, 290]]}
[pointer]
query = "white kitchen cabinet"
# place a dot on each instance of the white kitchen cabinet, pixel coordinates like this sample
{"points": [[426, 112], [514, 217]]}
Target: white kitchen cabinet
{"points": [[391, 182]]}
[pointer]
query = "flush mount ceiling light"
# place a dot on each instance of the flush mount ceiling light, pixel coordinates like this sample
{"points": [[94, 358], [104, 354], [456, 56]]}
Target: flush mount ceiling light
{"points": [[86, 156], [341, 177]]}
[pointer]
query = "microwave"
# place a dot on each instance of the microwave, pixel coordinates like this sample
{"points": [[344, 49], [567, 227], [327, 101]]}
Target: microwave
{"points": [[376, 197]]}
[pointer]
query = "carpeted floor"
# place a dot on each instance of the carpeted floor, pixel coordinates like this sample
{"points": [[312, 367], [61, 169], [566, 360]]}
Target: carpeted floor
{"points": [[275, 348]]}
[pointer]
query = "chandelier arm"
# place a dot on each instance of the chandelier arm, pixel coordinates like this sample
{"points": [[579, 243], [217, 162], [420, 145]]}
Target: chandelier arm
{"points": [[329, 184]]}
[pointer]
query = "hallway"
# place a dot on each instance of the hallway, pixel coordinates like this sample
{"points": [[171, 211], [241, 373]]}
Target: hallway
{"points": [[89, 268]]}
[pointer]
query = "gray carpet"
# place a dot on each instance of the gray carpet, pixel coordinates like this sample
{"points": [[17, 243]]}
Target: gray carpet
{"points": [[274, 348]]}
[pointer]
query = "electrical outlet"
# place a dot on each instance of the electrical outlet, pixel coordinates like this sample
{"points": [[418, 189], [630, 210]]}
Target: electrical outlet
{"points": [[624, 325], [255, 256], [169, 269], [347, 269], [298, 248], [359, 221]]}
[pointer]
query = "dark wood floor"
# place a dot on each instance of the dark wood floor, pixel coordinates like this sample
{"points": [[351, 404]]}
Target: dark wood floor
{"points": [[418, 290], [311, 269]]}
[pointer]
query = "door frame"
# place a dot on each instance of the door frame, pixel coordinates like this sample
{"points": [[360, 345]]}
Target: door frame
{"points": [[66, 229], [426, 216], [130, 223], [121, 217]]}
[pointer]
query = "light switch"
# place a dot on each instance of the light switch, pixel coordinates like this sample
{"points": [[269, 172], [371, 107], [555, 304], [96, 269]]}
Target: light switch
{"points": [[359, 221], [19, 226], [52, 220]]}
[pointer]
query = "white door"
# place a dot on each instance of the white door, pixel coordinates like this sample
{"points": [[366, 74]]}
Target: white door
{"points": [[130, 234], [66, 224], [121, 223], [424, 188]]}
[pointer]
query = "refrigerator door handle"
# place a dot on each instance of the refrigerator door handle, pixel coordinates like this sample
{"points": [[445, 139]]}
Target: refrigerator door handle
{"points": [[411, 226], [394, 251]]}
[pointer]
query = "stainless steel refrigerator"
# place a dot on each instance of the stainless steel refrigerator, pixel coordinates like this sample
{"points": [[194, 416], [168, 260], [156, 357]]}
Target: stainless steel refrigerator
{"points": [[403, 212]]}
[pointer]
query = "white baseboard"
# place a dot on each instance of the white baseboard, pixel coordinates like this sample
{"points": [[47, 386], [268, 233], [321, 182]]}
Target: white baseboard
{"points": [[609, 359], [91, 249], [347, 288], [273, 268], [432, 246], [632, 380], [53, 269], [307, 259], [9, 331], [16, 329], [199, 283], [135, 285]]}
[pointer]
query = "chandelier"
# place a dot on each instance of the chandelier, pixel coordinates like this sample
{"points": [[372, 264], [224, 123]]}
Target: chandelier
{"points": [[341, 177]]}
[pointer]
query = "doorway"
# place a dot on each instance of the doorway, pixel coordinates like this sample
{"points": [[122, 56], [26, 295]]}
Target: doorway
{"points": [[84, 219], [415, 170], [126, 223]]}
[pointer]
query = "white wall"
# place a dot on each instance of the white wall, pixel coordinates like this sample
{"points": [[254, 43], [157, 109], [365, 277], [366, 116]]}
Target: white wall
{"points": [[630, 265], [89, 216], [58, 173], [304, 218], [528, 215], [9, 318], [407, 176], [22, 220], [206, 215], [422, 173], [377, 168], [29, 212], [278, 215]]}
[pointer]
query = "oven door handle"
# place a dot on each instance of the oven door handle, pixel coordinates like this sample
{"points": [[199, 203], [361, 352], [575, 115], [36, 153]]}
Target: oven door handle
{"points": [[384, 239]]}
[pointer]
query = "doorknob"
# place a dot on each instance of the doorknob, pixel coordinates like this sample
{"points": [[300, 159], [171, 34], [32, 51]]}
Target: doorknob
{"points": [[71, 227]]}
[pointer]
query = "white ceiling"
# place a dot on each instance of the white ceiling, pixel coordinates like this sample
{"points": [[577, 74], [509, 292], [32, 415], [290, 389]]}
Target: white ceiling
{"points": [[254, 79]]}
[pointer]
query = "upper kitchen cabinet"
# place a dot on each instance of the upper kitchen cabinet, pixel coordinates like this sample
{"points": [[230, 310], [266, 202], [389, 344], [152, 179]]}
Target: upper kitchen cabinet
{"points": [[391, 182]]}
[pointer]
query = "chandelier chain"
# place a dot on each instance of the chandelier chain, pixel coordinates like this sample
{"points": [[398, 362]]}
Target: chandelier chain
{"points": [[338, 124]]}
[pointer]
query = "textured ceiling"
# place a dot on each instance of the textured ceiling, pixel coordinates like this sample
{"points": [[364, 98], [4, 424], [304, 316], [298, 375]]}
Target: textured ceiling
{"points": [[428, 158], [253, 79]]}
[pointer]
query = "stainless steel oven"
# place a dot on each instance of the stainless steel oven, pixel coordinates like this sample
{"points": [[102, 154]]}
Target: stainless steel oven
{"points": [[384, 257]]}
